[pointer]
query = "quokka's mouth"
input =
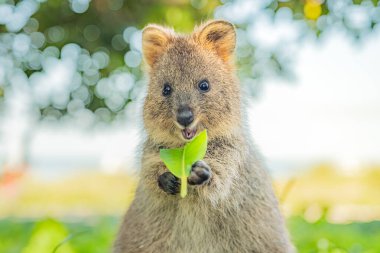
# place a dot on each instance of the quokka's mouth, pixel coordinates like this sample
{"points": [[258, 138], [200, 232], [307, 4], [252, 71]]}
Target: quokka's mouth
{"points": [[188, 133]]}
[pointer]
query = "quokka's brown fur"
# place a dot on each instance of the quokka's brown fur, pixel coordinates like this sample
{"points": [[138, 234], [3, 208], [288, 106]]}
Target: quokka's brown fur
{"points": [[236, 210]]}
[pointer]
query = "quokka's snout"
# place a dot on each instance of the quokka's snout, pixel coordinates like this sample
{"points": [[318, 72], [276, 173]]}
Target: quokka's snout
{"points": [[185, 116], [186, 113], [187, 121]]}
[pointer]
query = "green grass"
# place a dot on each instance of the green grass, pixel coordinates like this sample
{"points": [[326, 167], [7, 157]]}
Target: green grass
{"points": [[92, 235], [335, 238], [96, 235]]}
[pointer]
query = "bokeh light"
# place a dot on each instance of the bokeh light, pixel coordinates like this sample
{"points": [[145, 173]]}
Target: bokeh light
{"points": [[313, 9]]}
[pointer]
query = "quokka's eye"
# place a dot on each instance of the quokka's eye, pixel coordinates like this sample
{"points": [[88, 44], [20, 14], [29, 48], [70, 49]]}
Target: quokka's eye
{"points": [[203, 86], [167, 90]]}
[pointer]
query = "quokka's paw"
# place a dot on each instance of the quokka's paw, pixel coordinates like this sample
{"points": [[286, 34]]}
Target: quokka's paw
{"points": [[200, 174], [169, 183]]}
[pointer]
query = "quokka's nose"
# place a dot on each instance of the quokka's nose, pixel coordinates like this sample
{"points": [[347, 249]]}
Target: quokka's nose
{"points": [[185, 116]]}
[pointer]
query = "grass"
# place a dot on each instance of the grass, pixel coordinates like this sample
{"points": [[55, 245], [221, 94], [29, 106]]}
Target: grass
{"points": [[46, 235], [322, 236], [329, 212], [96, 235]]}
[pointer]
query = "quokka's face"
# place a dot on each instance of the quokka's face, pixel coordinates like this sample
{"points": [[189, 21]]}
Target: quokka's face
{"points": [[192, 85]]}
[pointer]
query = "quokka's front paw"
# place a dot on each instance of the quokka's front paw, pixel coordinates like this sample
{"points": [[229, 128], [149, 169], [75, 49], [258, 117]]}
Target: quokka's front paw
{"points": [[169, 183], [200, 174]]}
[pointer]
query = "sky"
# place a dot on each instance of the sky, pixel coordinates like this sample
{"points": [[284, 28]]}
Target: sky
{"points": [[331, 112]]}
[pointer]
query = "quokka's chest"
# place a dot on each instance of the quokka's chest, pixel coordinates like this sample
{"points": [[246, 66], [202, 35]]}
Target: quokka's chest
{"points": [[202, 229]]}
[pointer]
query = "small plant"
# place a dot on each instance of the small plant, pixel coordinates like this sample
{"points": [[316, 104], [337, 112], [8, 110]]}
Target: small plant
{"points": [[180, 160]]}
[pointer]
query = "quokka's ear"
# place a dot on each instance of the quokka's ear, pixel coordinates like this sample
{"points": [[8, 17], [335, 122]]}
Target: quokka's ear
{"points": [[155, 39], [217, 35]]}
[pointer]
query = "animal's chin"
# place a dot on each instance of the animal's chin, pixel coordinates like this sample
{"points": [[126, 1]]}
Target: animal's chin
{"points": [[189, 133]]}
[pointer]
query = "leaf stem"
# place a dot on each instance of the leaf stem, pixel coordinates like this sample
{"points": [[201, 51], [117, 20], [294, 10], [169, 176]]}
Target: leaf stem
{"points": [[183, 186], [184, 176]]}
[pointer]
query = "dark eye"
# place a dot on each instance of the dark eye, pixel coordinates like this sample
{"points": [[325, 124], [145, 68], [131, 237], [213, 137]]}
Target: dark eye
{"points": [[167, 90], [203, 86]]}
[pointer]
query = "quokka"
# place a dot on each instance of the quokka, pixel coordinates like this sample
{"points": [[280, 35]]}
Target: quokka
{"points": [[230, 206]]}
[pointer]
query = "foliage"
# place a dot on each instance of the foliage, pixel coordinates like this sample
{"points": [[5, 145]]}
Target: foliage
{"points": [[322, 236], [97, 234], [47, 234], [89, 235], [85, 213], [263, 52], [82, 59], [93, 50]]}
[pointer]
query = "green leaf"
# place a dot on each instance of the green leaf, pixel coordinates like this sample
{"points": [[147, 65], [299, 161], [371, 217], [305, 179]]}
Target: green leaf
{"points": [[46, 235], [172, 158], [195, 150], [180, 160]]}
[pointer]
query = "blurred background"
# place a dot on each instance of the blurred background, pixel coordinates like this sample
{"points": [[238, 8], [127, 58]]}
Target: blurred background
{"points": [[71, 84]]}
